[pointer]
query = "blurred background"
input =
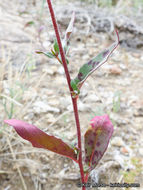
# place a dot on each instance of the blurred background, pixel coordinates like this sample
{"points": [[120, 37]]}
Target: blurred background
{"points": [[33, 88]]}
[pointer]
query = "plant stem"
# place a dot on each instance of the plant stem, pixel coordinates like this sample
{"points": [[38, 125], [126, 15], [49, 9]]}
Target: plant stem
{"points": [[59, 43], [74, 100]]}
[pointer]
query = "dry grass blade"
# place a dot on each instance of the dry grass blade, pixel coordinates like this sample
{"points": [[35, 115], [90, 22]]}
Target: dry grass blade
{"points": [[18, 169], [11, 99]]}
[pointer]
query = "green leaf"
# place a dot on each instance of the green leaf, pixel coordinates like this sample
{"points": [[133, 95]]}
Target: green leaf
{"points": [[56, 47], [29, 23], [48, 54], [88, 68]]}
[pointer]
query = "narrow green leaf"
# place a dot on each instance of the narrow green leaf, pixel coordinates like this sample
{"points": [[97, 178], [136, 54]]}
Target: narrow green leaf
{"points": [[88, 68], [48, 54], [56, 47]]}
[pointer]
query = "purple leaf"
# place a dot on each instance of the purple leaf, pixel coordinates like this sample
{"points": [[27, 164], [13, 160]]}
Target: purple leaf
{"points": [[40, 139], [96, 140]]}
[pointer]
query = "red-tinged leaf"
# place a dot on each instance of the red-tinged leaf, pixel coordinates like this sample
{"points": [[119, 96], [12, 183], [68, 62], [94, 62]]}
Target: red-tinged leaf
{"points": [[96, 140], [29, 23], [40, 139]]}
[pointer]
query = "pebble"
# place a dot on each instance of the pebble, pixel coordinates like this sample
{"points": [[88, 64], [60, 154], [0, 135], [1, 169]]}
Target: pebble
{"points": [[120, 159], [117, 141], [139, 112], [92, 98], [42, 107], [124, 150], [61, 71], [81, 107], [50, 118], [48, 71], [123, 66], [30, 116], [115, 70]]}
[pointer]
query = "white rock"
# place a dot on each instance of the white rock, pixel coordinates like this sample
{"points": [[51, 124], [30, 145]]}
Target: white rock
{"points": [[117, 141], [81, 107], [42, 107], [120, 159], [92, 98], [61, 70], [65, 101]]}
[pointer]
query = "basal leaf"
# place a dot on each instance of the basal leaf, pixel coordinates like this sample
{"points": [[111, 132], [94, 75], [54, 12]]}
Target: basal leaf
{"points": [[96, 140], [40, 139]]}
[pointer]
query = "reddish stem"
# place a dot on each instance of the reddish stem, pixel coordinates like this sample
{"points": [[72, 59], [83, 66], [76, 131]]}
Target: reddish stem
{"points": [[86, 177], [59, 43], [74, 100]]}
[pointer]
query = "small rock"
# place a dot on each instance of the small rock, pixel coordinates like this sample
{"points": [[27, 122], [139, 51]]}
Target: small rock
{"points": [[50, 118], [54, 102], [92, 98], [117, 141], [71, 177], [85, 57], [61, 71], [46, 44], [65, 165], [81, 107], [99, 174], [136, 55], [51, 70], [123, 66], [132, 99], [124, 150], [30, 116], [42, 107], [139, 112], [120, 159], [65, 101], [115, 70], [48, 71]]}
